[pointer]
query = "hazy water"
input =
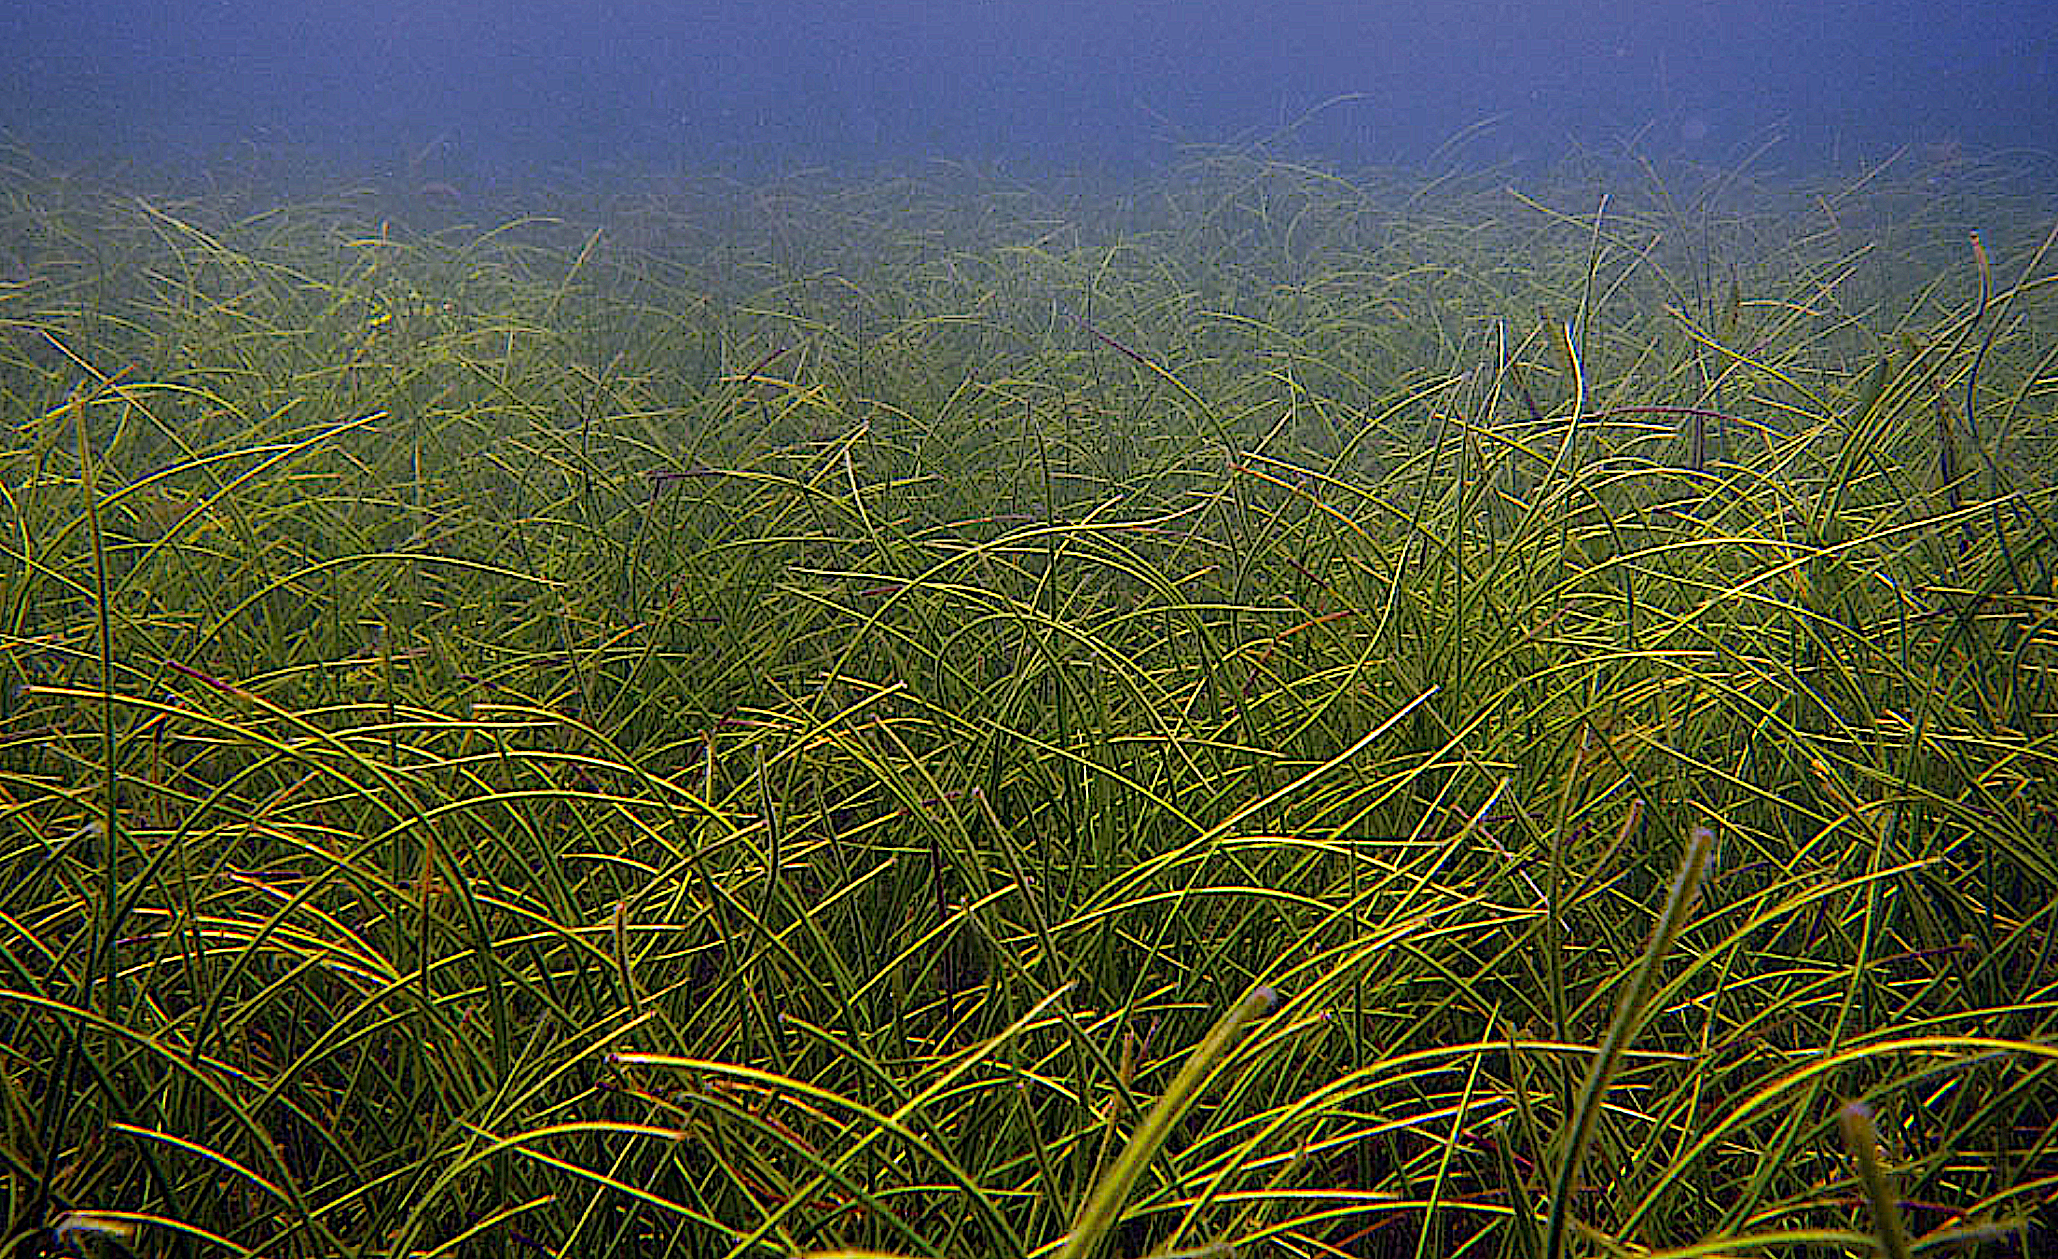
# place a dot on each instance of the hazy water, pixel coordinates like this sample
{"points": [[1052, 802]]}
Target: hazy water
{"points": [[469, 92]]}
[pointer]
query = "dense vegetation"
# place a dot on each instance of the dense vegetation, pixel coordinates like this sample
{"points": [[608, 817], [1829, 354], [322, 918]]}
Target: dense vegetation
{"points": [[736, 720]]}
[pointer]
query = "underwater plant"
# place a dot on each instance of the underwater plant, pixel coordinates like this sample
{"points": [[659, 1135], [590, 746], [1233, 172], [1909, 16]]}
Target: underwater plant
{"points": [[938, 716]]}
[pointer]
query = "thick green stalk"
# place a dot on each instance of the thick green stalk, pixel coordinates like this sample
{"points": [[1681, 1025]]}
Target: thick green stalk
{"points": [[1629, 1016], [1104, 1207]]}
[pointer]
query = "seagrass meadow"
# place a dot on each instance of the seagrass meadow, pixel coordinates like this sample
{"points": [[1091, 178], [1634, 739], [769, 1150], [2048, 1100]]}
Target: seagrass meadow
{"points": [[1248, 711]]}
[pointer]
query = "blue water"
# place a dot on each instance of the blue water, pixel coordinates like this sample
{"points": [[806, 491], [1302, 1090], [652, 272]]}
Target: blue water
{"points": [[469, 91]]}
